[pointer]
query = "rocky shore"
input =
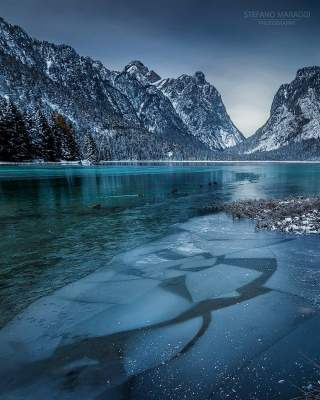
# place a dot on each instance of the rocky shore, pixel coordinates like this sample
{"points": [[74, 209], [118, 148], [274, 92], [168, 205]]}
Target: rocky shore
{"points": [[299, 215]]}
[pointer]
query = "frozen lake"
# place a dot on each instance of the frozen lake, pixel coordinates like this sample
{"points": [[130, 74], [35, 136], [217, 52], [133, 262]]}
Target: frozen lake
{"points": [[113, 287]]}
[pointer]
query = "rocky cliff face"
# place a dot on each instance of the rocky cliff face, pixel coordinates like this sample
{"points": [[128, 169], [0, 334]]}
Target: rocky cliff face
{"points": [[153, 108], [200, 107], [294, 116]]}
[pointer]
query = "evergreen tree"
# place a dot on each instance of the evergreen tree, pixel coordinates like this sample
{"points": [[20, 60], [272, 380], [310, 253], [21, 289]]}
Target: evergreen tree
{"points": [[20, 140], [15, 144], [41, 136], [5, 134], [36, 125], [65, 142], [90, 151], [49, 148]]}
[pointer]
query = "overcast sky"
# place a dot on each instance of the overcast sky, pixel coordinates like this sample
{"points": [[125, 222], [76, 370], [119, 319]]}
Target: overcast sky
{"points": [[244, 59]]}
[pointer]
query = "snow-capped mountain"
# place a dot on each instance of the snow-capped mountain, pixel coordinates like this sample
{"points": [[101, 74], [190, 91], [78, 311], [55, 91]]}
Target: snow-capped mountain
{"points": [[200, 107], [127, 114], [37, 74], [153, 108], [294, 116]]}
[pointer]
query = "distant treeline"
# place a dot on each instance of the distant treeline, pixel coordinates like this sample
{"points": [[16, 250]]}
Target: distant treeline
{"points": [[31, 136], [305, 150], [35, 135]]}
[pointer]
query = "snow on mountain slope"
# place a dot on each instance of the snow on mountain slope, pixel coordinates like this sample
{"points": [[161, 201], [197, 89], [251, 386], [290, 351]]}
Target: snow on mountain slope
{"points": [[200, 107], [153, 108], [42, 76], [294, 115], [37, 73], [130, 114]]}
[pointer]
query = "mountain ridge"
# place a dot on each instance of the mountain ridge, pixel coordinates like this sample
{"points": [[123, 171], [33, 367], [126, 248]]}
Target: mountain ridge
{"points": [[134, 113], [124, 112], [294, 115], [200, 107]]}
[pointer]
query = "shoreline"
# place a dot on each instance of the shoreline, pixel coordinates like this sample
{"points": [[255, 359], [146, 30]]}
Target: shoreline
{"points": [[295, 215], [137, 162]]}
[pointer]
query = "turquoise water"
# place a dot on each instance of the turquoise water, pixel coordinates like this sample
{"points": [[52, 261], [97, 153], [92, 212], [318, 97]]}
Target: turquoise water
{"points": [[172, 289], [51, 234]]}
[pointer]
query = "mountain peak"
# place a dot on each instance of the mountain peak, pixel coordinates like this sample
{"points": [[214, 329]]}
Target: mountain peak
{"points": [[199, 105], [200, 77], [8, 28], [294, 115], [307, 72], [141, 72], [136, 66]]}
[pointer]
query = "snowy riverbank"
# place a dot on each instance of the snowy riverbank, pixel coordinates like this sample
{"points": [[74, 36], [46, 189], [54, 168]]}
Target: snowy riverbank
{"points": [[297, 215], [138, 162]]}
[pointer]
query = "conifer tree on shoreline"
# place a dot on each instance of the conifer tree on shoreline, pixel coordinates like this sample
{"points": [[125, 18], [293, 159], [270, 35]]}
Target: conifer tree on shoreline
{"points": [[29, 136], [90, 151], [15, 143], [65, 143]]}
